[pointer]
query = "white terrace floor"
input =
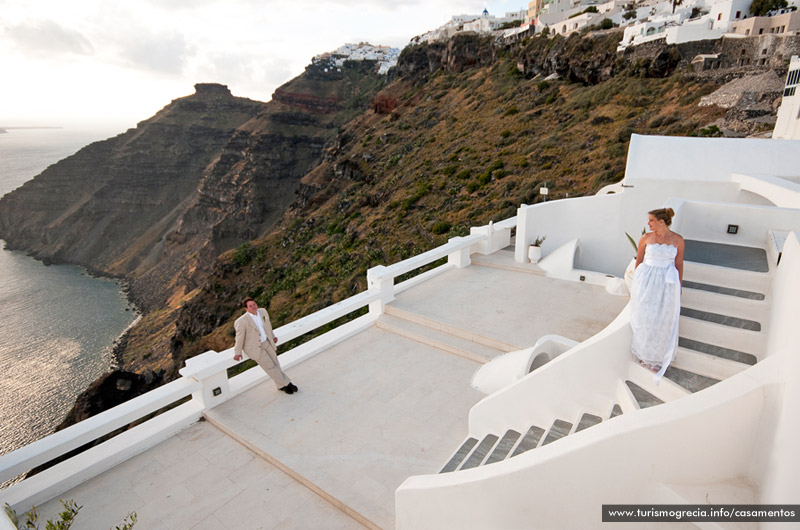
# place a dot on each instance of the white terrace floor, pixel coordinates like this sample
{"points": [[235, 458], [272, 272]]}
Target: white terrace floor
{"points": [[370, 412]]}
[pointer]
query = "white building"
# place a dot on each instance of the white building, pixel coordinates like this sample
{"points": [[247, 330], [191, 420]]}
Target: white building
{"points": [[788, 123], [678, 27], [483, 23]]}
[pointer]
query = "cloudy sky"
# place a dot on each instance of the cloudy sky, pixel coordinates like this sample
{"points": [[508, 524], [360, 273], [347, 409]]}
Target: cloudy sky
{"points": [[112, 63]]}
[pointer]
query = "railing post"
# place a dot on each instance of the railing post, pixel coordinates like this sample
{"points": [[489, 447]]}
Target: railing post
{"points": [[521, 246], [379, 280], [459, 258], [214, 387], [485, 246]]}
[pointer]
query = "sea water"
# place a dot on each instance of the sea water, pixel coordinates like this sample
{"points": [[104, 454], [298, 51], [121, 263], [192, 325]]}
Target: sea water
{"points": [[58, 324]]}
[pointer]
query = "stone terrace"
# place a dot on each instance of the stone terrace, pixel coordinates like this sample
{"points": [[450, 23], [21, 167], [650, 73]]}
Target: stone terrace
{"points": [[383, 405]]}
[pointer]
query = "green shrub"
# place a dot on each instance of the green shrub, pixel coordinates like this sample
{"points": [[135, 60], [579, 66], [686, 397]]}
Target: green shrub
{"points": [[473, 185], [505, 134], [442, 227], [511, 111], [243, 254]]}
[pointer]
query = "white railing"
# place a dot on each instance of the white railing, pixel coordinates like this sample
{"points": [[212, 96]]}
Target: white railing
{"points": [[90, 429], [205, 376]]}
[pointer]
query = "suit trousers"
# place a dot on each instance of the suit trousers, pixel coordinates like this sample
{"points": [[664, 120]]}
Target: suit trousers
{"points": [[268, 360]]}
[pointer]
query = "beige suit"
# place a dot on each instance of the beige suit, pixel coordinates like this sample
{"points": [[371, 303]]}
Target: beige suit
{"points": [[248, 341]]}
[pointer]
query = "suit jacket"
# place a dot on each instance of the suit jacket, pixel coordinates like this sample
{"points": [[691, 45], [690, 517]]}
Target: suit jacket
{"points": [[248, 338]]}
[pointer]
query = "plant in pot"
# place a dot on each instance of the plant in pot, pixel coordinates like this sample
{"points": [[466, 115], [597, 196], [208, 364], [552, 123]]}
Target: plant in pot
{"points": [[535, 249], [629, 270]]}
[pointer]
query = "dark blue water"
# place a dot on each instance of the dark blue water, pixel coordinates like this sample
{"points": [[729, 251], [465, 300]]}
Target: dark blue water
{"points": [[57, 323]]}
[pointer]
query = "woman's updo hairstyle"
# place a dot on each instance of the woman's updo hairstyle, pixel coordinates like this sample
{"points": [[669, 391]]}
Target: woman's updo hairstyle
{"points": [[663, 214]]}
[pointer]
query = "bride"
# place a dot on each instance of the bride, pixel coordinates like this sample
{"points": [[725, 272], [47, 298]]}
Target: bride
{"points": [[656, 293]]}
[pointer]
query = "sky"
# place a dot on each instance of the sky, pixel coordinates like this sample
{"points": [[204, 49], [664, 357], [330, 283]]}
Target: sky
{"points": [[112, 63]]}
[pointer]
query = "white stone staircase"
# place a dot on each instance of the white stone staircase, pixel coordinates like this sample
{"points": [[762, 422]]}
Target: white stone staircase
{"points": [[724, 317]]}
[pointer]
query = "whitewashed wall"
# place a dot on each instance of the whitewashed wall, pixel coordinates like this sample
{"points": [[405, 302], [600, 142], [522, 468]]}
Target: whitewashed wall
{"points": [[600, 222], [779, 467], [709, 159]]}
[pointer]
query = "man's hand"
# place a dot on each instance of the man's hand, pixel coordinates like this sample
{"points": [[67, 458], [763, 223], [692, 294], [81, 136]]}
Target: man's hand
{"points": [[275, 339], [237, 357]]}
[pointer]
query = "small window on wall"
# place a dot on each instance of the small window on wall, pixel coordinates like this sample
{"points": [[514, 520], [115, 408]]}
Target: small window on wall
{"points": [[761, 31], [738, 14], [747, 32], [719, 17]]}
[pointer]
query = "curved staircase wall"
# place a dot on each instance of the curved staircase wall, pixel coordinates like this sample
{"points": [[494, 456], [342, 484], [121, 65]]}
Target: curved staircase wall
{"points": [[625, 461], [779, 464], [561, 388]]}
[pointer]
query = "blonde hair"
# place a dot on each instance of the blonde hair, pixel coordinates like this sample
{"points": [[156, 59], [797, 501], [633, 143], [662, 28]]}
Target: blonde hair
{"points": [[663, 214]]}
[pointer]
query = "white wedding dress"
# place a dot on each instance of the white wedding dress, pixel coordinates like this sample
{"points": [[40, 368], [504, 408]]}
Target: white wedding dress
{"points": [[655, 308]]}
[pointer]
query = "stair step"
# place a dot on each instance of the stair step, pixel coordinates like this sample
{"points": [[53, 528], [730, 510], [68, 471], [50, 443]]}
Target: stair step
{"points": [[460, 455], [689, 380], [438, 339], [664, 389], [588, 420], [717, 351], [730, 306], [728, 256], [504, 447], [627, 401], [725, 320], [720, 335], [469, 335], [616, 410], [644, 398], [480, 452], [707, 365], [728, 291], [558, 430], [529, 441], [757, 282]]}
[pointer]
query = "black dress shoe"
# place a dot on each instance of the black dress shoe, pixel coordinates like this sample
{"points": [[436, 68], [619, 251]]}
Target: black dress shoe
{"points": [[289, 389], [293, 387]]}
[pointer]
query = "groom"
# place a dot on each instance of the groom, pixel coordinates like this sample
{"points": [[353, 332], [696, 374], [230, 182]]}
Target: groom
{"points": [[255, 338]]}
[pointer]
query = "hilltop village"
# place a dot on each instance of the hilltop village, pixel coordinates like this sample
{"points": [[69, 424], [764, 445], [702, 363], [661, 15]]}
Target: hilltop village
{"points": [[670, 21]]}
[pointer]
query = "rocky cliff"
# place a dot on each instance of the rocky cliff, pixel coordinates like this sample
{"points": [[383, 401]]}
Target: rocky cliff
{"points": [[158, 203]]}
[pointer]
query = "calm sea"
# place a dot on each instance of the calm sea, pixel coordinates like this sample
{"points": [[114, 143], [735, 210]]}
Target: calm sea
{"points": [[57, 323]]}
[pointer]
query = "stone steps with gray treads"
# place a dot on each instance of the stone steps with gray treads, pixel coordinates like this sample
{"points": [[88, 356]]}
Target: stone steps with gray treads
{"points": [[479, 454], [718, 289], [757, 282], [587, 420], [643, 397], [529, 441], [689, 380], [504, 446], [738, 257], [558, 430], [707, 365], [717, 351], [717, 318], [731, 306], [728, 337], [461, 454]]}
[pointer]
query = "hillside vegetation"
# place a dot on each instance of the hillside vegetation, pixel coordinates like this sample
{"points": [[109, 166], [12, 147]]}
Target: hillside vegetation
{"points": [[463, 135]]}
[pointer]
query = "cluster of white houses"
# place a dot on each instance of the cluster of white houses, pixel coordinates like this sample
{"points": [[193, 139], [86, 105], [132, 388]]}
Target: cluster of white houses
{"points": [[385, 56], [645, 21]]}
